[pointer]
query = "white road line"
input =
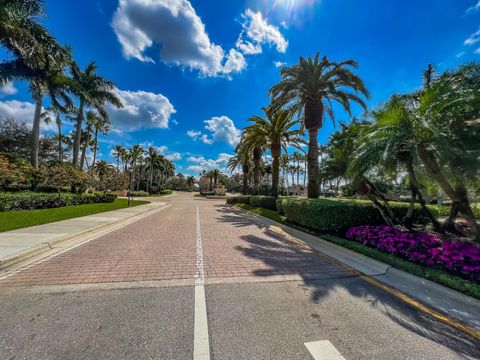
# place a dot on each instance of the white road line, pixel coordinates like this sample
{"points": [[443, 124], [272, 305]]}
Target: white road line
{"points": [[323, 350], [201, 346]]}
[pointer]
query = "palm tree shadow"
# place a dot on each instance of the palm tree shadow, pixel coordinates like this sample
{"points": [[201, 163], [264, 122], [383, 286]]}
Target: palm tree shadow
{"points": [[286, 256]]}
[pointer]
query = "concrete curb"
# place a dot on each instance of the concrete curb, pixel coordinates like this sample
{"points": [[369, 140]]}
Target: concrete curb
{"points": [[37, 250], [448, 301]]}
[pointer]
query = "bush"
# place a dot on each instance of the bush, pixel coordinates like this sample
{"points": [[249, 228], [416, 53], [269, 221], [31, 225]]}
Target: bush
{"points": [[241, 199], [207, 193], [263, 201], [139, 193], [336, 216], [279, 205], [457, 258], [43, 188], [166, 192], [32, 200]]}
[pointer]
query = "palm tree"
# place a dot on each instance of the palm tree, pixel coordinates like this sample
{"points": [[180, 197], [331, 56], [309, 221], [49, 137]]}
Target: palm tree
{"points": [[277, 133], [311, 87], [99, 124], [154, 162], [118, 154], [216, 174], [241, 160], [190, 182], [56, 112], [254, 142], [284, 164], [25, 38], [93, 91], [46, 79], [135, 158]]}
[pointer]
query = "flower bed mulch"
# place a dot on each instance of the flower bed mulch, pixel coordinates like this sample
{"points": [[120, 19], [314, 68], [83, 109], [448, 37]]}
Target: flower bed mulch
{"points": [[458, 258]]}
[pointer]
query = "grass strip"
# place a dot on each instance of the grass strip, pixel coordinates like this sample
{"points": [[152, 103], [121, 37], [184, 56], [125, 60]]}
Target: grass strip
{"points": [[441, 277], [11, 220]]}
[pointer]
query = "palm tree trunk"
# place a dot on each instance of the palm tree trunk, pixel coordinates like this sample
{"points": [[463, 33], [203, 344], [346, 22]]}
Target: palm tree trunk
{"points": [[36, 132], [276, 151], [313, 188], [84, 153], [256, 171], [78, 135], [246, 171], [459, 195], [60, 149], [305, 175], [95, 148]]}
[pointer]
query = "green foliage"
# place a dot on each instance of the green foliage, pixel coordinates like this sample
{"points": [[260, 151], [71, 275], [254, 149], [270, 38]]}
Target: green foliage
{"points": [[139, 193], [266, 202], [241, 199], [207, 193], [441, 277], [166, 192], [31, 200], [14, 171], [279, 206], [336, 216], [12, 220]]}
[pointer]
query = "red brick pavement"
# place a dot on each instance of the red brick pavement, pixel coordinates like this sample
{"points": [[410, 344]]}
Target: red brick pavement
{"points": [[236, 245], [159, 247], [162, 247]]}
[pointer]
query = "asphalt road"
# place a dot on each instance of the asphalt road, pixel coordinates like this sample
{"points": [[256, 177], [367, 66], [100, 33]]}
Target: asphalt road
{"points": [[131, 294]]}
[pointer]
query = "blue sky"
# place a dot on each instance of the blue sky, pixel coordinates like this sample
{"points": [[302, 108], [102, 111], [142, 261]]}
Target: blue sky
{"points": [[192, 72]]}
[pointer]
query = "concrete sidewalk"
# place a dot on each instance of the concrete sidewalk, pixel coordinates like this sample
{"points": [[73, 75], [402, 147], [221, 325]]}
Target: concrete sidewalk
{"points": [[23, 244]]}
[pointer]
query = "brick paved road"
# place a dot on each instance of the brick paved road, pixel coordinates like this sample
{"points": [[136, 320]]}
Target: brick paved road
{"points": [[105, 315]]}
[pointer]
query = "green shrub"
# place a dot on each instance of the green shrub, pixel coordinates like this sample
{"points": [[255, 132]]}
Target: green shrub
{"points": [[139, 193], [241, 199], [43, 188], [337, 215], [166, 192], [207, 193], [263, 201], [32, 200], [279, 206]]}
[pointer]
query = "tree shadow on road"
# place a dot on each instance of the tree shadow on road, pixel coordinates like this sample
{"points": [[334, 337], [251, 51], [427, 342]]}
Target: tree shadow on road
{"points": [[284, 255]]}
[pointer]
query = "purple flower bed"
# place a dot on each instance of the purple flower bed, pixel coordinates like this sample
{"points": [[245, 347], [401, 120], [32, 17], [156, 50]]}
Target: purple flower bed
{"points": [[457, 258]]}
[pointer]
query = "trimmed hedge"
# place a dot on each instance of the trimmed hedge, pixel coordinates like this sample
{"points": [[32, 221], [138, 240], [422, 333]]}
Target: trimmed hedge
{"points": [[166, 192], [207, 193], [336, 216], [32, 200], [241, 199], [263, 201], [139, 193]]}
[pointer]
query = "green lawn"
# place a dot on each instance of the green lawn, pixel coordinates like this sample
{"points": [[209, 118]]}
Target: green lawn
{"points": [[441, 277], [11, 220]]}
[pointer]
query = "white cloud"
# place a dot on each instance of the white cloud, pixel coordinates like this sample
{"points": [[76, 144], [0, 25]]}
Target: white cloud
{"points": [[8, 90], [256, 32], [473, 8], [473, 39], [221, 128], [174, 27], [142, 110], [200, 163], [194, 134], [22, 111], [279, 64], [174, 156]]}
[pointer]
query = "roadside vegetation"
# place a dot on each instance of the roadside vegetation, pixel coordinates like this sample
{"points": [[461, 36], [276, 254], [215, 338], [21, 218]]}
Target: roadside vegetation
{"points": [[400, 182], [59, 169], [12, 220]]}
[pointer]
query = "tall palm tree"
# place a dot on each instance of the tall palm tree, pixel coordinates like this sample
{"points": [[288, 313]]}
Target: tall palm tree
{"points": [[46, 79], [93, 91], [254, 143], [154, 162], [135, 158], [216, 174], [277, 133], [241, 160], [119, 154], [99, 124], [55, 112], [190, 182], [24, 37], [311, 87]]}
